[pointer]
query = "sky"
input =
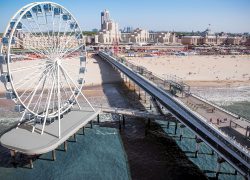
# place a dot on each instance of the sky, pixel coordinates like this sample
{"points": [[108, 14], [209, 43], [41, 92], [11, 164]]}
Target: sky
{"points": [[158, 15]]}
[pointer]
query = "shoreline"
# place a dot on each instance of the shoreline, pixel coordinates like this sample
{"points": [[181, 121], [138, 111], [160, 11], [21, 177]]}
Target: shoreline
{"points": [[218, 83]]}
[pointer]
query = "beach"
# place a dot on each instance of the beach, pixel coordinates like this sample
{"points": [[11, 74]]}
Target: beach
{"points": [[197, 70]]}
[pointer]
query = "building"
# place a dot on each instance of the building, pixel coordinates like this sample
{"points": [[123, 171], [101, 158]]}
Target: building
{"points": [[109, 33], [137, 36], [29, 41], [209, 38], [164, 38], [105, 18]]}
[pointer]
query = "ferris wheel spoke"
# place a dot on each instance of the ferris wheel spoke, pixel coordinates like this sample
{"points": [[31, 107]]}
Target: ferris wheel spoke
{"points": [[35, 35], [71, 89], [65, 91], [30, 76], [38, 25], [48, 105], [24, 80], [37, 51], [65, 45], [41, 95], [63, 38], [40, 98], [27, 68], [34, 91], [44, 50], [67, 53], [58, 35], [65, 72], [44, 75], [68, 38], [31, 85], [29, 82]]}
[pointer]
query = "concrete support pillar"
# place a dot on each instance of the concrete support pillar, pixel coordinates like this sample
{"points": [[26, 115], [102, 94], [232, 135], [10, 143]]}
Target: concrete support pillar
{"points": [[83, 130], [139, 93], [65, 146], [91, 124], [168, 125], [123, 120], [181, 131], [198, 141], [247, 130], [197, 147], [176, 126], [75, 138], [54, 155], [145, 96], [220, 160], [98, 118], [120, 126], [31, 163], [13, 156]]}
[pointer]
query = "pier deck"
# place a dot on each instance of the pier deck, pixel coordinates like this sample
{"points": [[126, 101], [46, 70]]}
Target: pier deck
{"points": [[23, 140]]}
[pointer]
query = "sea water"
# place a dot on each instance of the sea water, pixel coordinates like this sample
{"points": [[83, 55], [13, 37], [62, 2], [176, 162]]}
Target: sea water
{"points": [[236, 100], [98, 154]]}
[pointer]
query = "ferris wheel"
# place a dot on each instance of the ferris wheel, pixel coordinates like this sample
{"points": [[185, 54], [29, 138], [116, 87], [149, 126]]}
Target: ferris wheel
{"points": [[43, 62]]}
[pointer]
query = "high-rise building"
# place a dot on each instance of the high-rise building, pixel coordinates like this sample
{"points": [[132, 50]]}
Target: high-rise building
{"points": [[109, 32], [104, 19]]}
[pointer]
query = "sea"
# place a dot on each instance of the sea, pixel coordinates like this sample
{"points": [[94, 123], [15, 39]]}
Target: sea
{"points": [[100, 155]]}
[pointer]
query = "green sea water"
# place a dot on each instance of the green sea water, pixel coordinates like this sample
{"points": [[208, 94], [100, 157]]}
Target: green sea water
{"points": [[96, 155], [205, 160], [240, 108]]}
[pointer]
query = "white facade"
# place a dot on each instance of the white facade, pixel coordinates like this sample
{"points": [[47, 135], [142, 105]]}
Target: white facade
{"points": [[109, 32], [138, 36]]}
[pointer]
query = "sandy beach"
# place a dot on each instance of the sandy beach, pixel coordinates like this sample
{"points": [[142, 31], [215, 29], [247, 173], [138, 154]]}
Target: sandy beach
{"points": [[200, 70], [96, 73]]}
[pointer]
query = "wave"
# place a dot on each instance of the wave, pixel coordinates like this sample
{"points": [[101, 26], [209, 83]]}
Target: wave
{"points": [[223, 96]]}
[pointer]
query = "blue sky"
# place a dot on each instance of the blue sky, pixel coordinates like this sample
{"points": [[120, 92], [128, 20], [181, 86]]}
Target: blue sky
{"points": [[178, 15]]}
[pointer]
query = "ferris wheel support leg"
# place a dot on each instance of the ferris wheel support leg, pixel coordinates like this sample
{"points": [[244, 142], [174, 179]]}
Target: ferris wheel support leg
{"points": [[21, 119], [71, 89], [47, 109], [59, 102]]}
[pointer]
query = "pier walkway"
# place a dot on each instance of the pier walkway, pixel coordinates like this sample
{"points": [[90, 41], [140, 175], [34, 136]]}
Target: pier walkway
{"points": [[234, 153]]}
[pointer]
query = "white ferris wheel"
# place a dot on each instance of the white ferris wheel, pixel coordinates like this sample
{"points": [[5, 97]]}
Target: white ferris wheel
{"points": [[43, 62]]}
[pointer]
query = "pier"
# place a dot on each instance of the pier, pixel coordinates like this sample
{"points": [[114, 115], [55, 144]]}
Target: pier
{"points": [[23, 140], [234, 153]]}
